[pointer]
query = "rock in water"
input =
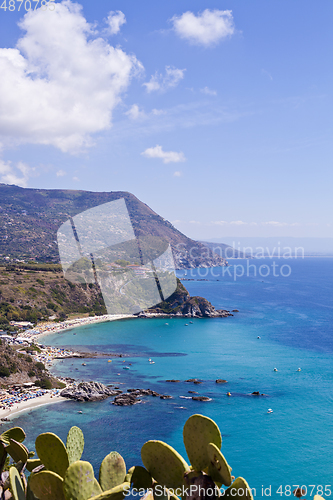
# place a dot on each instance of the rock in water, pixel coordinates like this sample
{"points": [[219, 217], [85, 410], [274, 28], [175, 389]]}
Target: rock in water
{"points": [[89, 391]]}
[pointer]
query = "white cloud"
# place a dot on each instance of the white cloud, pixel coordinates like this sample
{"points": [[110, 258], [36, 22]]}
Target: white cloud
{"points": [[166, 156], [61, 173], [208, 91], [115, 20], [18, 174], [219, 223], [61, 83], [76, 179], [163, 82], [177, 173], [195, 222], [237, 222], [207, 28], [158, 112], [274, 223], [135, 113]]}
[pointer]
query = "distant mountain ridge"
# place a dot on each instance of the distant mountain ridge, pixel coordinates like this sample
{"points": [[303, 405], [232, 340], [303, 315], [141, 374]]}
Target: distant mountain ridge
{"points": [[226, 251], [30, 218]]}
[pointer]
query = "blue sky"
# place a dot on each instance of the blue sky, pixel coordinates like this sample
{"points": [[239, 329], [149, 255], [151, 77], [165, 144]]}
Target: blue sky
{"points": [[217, 114]]}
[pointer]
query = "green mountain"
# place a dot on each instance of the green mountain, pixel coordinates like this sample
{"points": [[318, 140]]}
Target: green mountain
{"points": [[30, 218]]}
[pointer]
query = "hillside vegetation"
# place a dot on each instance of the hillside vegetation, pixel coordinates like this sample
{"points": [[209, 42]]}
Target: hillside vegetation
{"points": [[30, 218], [20, 367], [36, 292]]}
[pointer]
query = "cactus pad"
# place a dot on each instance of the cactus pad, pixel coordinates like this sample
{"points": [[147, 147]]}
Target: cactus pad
{"points": [[239, 490], [47, 485], [139, 478], [32, 463], [164, 463], [14, 433], [16, 485], [79, 481], [117, 493], [52, 452], [112, 471], [97, 490], [17, 451], [218, 468], [198, 432], [74, 444]]}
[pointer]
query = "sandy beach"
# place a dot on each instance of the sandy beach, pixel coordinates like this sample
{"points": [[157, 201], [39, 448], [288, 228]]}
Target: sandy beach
{"points": [[41, 331], [47, 356], [23, 406]]}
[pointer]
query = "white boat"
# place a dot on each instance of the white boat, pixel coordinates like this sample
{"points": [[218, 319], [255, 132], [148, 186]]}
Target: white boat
{"points": [[275, 369], [269, 410]]}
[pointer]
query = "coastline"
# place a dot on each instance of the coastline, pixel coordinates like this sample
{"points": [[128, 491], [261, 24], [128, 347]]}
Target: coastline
{"points": [[24, 406], [50, 328]]}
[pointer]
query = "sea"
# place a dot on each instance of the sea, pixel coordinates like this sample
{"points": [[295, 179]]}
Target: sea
{"points": [[285, 321]]}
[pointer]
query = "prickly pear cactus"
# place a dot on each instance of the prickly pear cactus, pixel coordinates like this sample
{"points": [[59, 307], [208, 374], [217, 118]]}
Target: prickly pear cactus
{"points": [[52, 452], [17, 451], [239, 490], [79, 481], [47, 485], [15, 433], [16, 485], [97, 490], [74, 444], [139, 478], [218, 468], [112, 471], [198, 432], [117, 493], [32, 463], [164, 463]]}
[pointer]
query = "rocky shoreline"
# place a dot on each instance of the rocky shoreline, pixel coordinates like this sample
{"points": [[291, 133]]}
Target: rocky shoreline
{"points": [[96, 391]]}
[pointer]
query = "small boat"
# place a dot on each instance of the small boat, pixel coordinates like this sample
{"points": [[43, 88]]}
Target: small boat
{"points": [[275, 369], [186, 324], [167, 324], [299, 369], [109, 360], [149, 360], [269, 410], [258, 337], [191, 322], [152, 362], [228, 393], [84, 364], [80, 411], [126, 367], [74, 333]]}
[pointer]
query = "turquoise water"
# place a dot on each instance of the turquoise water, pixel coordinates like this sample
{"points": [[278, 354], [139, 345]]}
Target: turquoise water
{"points": [[293, 317]]}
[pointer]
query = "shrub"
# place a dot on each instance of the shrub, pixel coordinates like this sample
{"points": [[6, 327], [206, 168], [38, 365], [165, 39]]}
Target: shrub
{"points": [[44, 383], [40, 366], [31, 374], [4, 372]]}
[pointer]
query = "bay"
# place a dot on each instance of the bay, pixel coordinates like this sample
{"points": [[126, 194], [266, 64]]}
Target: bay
{"points": [[291, 314]]}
